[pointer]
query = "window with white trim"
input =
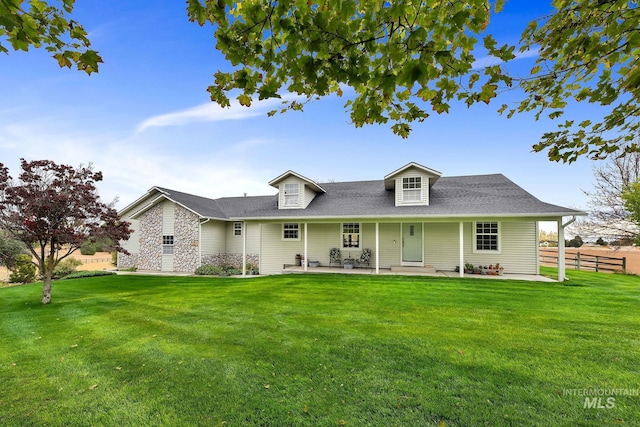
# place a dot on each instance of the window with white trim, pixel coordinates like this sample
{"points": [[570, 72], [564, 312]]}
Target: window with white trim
{"points": [[350, 235], [291, 194], [412, 189], [167, 245], [237, 229], [487, 236], [291, 231]]}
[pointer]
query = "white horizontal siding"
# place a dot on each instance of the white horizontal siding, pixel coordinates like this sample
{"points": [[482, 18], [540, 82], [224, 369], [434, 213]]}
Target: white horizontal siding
{"points": [[442, 245], [367, 241], [519, 247], [309, 195], [281, 185], [168, 229], [322, 238], [518, 250], [390, 245], [168, 218], [234, 243], [167, 263], [133, 244], [424, 190], [213, 236], [276, 252]]}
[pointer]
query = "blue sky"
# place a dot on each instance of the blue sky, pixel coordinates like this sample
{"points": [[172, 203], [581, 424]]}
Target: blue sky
{"points": [[145, 119]]}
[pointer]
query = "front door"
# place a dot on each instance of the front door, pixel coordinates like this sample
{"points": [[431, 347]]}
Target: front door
{"points": [[412, 244]]}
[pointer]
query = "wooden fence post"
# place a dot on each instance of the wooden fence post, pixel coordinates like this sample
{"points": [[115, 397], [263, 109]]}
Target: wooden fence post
{"points": [[597, 263], [624, 264], [577, 260]]}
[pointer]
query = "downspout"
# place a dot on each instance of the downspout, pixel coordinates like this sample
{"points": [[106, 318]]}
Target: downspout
{"points": [[561, 264], [571, 221], [200, 241], [377, 248], [461, 248], [244, 249], [306, 244]]}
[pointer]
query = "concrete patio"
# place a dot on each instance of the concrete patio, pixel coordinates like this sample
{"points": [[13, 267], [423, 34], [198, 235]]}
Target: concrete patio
{"points": [[412, 271]]}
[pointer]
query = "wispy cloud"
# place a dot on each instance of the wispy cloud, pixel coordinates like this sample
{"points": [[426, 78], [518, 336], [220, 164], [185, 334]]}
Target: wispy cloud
{"points": [[130, 165], [212, 112]]}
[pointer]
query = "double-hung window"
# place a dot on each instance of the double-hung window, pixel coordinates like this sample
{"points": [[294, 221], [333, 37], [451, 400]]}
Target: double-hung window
{"points": [[291, 194], [412, 189], [350, 235], [291, 231], [487, 236], [167, 245], [237, 229]]}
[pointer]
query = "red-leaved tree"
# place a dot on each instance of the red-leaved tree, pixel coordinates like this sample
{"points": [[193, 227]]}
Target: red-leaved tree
{"points": [[53, 209]]}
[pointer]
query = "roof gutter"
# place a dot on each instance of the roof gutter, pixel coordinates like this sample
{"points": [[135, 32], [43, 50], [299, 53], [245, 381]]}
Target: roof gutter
{"points": [[551, 216]]}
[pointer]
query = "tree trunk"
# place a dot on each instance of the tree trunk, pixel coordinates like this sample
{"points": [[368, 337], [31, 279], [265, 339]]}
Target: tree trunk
{"points": [[46, 289]]}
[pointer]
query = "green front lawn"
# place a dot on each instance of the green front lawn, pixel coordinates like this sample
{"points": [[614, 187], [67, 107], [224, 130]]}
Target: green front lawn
{"points": [[319, 350]]}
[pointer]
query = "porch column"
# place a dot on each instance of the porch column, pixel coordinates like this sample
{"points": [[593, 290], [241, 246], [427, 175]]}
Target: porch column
{"points": [[377, 248], [305, 260], [244, 248], [461, 235], [561, 266]]}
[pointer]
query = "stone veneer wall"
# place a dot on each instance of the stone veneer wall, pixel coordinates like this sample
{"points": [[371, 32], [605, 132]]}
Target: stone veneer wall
{"points": [[186, 234], [233, 260], [127, 261], [150, 257]]}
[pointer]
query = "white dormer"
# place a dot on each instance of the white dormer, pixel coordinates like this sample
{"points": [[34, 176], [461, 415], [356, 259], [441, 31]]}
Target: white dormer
{"points": [[412, 184], [294, 190]]}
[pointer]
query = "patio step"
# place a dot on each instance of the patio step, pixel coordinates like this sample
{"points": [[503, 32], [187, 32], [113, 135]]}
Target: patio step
{"points": [[417, 270]]}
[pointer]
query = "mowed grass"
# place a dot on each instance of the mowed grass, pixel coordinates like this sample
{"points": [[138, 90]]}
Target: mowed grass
{"points": [[319, 350]]}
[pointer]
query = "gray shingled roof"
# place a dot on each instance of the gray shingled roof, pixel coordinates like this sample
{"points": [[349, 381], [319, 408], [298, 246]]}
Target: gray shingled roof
{"points": [[458, 196], [223, 208]]}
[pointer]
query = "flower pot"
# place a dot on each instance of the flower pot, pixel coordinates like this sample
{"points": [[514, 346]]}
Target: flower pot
{"points": [[314, 264]]}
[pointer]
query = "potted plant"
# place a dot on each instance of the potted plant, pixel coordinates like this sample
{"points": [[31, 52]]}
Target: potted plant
{"points": [[468, 268], [252, 269], [492, 271]]}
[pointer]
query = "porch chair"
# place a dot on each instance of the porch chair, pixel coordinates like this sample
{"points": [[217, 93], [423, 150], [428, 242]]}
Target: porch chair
{"points": [[365, 256], [335, 257]]}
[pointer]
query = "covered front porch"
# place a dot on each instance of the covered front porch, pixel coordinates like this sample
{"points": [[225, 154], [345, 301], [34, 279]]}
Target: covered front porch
{"points": [[445, 244]]}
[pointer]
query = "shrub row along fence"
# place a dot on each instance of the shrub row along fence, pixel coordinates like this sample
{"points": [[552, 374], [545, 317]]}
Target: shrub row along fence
{"points": [[580, 261]]}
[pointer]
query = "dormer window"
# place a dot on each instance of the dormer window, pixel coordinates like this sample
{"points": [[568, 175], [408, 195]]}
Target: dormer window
{"points": [[291, 194], [411, 184], [295, 191], [412, 189]]}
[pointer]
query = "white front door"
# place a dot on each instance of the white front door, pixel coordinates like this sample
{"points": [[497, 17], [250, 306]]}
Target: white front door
{"points": [[412, 244]]}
